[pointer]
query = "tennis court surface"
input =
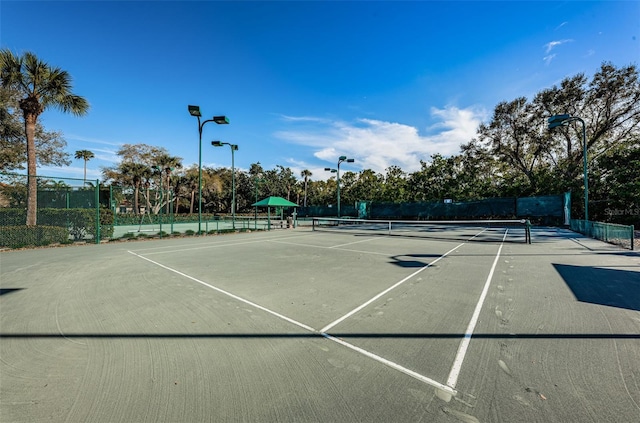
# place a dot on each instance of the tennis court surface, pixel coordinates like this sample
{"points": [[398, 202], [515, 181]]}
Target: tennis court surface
{"points": [[462, 325]]}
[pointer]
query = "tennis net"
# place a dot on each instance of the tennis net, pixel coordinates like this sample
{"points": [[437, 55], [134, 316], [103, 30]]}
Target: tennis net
{"points": [[467, 230]]}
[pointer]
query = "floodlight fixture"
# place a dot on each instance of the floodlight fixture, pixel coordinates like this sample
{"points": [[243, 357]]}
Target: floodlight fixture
{"points": [[195, 111]]}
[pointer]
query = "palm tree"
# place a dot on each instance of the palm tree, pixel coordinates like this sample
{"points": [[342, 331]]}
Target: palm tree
{"points": [[305, 174], [85, 155], [41, 86], [168, 164]]}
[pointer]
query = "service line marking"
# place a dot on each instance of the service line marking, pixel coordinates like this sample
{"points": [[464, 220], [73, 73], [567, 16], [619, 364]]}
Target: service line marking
{"points": [[464, 344], [361, 306], [392, 287], [327, 336]]}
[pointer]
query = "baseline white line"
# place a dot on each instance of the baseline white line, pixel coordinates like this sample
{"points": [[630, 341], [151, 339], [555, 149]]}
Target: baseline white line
{"points": [[222, 291], [359, 350], [464, 344], [360, 307]]}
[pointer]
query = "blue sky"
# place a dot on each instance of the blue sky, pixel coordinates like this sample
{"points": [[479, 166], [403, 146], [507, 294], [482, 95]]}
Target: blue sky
{"points": [[385, 83]]}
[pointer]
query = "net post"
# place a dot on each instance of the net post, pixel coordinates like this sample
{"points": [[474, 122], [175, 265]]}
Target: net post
{"points": [[632, 236], [528, 231]]}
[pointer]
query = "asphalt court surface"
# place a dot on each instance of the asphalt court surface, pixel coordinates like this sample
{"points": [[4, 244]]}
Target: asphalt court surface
{"points": [[296, 325]]}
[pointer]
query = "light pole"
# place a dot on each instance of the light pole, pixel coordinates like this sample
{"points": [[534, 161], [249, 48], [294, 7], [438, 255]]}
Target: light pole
{"points": [[328, 169], [256, 180], [234, 147], [159, 169], [340, 160], [560, 120], [220, 120]]}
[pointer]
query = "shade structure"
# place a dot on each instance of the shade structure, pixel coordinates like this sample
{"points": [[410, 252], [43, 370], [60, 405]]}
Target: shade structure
{"points": [[273, 202]]}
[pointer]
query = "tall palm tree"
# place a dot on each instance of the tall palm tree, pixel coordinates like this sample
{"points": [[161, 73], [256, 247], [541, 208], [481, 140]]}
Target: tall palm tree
{"points": [[41, 86], [168, 164], [305, 174], [85, 155]]}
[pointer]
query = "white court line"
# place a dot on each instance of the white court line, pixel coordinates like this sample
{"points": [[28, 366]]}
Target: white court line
{"points": [[354, 242], [215, 245], [222, 291], [330, 248], [361, 306], [393, 365], [366, 353], [464, 344]]}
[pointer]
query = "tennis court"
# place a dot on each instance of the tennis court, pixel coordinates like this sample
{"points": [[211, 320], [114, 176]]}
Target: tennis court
{"points": [[466, 324]]}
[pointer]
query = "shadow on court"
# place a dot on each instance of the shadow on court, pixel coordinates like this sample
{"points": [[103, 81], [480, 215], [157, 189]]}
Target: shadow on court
{"points": [[609, 287], [319, 335], [4, 291]]}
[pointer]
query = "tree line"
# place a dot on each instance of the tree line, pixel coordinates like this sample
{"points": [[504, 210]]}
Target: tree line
{"points": [[512, 155]]}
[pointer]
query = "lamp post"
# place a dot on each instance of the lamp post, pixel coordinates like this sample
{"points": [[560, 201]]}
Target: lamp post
{"points": [[234, 147], [341, 159], [328, 169], [256, 180], [220, 120], [159, 169], [560, 120]]}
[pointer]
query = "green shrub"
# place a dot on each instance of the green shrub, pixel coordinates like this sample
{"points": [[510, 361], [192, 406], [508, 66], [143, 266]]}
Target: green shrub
{"points": [[189, 232], [80, 223], [25, 236]]}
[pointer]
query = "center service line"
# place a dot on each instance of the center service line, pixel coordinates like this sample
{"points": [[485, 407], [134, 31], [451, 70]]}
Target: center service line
{"points": [[464, 344]]}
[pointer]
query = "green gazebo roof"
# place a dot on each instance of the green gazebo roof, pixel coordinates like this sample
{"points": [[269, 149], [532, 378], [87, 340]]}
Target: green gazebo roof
{"points": [[274, 202]]}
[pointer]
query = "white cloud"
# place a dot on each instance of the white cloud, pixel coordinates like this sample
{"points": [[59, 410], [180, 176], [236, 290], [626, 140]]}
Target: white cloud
{"points": [[376, 144], [551, 45]]}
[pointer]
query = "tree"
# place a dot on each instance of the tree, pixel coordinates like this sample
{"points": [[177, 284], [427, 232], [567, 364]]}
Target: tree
{"points": [[136, 170], [41, 86], [13, 147], [85, 155], [305, 174]]}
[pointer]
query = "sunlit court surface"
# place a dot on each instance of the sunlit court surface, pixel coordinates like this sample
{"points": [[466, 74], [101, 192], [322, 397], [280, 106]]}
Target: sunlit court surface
{"points": [[470, 325]]}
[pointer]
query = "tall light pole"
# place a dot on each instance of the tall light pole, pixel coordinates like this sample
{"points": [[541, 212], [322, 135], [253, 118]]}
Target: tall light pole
{"points": [[340, 160], [560, 120], [328, 169], [234, 147], [220, 120]]}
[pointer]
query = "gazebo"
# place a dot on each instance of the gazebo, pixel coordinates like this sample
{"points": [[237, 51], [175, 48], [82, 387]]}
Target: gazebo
{"points": [[273, 202]]}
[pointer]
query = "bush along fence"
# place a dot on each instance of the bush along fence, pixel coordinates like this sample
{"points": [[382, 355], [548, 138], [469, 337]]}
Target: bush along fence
{"points": [[68, 210]]}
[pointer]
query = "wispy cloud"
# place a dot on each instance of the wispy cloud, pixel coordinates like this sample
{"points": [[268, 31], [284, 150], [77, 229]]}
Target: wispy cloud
{"points": [[377, 144], [561, 25], [551, 45]]}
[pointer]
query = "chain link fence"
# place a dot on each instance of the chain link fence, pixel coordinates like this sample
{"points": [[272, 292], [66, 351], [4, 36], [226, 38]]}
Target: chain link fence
{"points": [[67, 210]]}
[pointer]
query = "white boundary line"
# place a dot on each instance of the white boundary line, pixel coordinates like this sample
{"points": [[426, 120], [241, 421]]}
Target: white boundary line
{"points": [[366, 353], [400, 282], [464, 344]]}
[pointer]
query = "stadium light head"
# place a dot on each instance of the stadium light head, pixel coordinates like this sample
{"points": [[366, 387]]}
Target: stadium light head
{"points": [[341, 158], [558, 120], [350, 160], [221, 120], [195, 111], [216, 143]]}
